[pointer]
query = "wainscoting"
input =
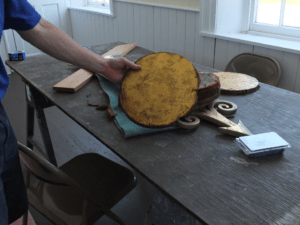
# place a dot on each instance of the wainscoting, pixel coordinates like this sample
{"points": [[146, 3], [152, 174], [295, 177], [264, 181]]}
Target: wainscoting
{"points": [[173, 30]]}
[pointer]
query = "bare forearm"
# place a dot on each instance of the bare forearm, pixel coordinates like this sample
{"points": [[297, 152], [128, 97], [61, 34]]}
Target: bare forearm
{"points": [[53, 41]]}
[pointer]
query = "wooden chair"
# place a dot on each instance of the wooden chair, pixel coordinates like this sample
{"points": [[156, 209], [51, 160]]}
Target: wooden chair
{"points": [[78, 192], [264, 69]]}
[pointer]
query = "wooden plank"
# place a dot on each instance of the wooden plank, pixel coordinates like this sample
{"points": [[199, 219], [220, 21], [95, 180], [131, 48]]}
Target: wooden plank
{"points": [[260, 51], [199, 40], [246, 48], [150, 28], [180, 32], [157, 29], [116, 28], [124, 22], [136, 21], [119, 19], [111, 28], [221, 54], [106, 31], [233, 50], [209, 50], [93, 31], [99, 31], [164, 29], [297, 83], [76, 80], [190, 35], [172, 28], [143, 26], [289, 68], [130, 29]]}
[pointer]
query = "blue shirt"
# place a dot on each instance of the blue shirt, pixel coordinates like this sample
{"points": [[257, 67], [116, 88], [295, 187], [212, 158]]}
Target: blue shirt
{"points": [[17, 15]]}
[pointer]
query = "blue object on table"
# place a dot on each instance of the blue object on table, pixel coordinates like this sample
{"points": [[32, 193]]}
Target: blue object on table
{"points": [[17, 56], [127, 127]]}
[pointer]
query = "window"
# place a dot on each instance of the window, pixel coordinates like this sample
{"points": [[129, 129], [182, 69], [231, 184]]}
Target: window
{"points": [[276, 16], [256, 22], [102, 7], [102, 3]]}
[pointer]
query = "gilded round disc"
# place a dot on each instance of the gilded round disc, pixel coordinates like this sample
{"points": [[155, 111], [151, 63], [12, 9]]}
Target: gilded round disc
{"points": [[237, 83], [163, 90]]}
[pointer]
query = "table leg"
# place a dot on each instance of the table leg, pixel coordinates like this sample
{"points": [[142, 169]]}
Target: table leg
{"points": [[29, 124], [45, 135], [37, 102]]}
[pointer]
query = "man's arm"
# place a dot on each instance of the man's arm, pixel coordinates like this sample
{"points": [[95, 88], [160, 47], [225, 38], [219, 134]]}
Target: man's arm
{"points": [[54, 42]]}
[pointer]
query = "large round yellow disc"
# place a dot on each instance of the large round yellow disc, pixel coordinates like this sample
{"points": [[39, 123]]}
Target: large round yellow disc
{"points": [[163, 90]]}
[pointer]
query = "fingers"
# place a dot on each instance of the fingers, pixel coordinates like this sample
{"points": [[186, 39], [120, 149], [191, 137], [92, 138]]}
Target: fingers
{"points": [[131, 65]]}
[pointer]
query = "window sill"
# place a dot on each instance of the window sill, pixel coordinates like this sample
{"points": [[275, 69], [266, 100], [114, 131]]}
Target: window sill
{"points": [[168, 6], [256, 39], [96, 10]]}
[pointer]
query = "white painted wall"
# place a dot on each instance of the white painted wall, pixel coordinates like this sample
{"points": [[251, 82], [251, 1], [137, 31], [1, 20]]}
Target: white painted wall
{"points": [[54, 11], [173, 30], [167, 29]]}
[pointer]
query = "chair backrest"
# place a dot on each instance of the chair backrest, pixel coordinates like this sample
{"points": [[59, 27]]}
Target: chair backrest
{"points": [[41, 168], [264, 69]]}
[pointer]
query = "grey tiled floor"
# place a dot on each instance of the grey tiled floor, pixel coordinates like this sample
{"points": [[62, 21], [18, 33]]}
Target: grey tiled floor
{"points": [[69, 140]]}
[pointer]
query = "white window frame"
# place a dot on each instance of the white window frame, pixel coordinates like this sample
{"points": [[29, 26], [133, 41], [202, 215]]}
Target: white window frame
{"points": [[98, 3], [86, 6], [230, 20], [271, 29]]}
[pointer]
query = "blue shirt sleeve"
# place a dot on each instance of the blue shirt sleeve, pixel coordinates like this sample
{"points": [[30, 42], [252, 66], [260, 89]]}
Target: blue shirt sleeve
{"points": [[20, 15]]}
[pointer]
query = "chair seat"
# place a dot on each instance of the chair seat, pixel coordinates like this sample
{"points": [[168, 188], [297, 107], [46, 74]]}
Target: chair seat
{"points": [[90, 171]]}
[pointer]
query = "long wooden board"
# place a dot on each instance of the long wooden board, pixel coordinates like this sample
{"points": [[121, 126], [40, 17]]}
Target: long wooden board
{"points": [[78, 79]]}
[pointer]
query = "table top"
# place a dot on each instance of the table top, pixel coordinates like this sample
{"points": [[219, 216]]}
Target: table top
{"points": [[202, 170]]}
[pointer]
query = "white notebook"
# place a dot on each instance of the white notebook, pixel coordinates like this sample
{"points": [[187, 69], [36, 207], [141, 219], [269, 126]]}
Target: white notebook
{"points": [[263, 141]]}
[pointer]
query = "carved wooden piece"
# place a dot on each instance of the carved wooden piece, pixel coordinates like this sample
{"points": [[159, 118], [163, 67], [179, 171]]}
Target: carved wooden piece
{"points": [[237, 83], [78, 79], [163, 90], [226, 126]]}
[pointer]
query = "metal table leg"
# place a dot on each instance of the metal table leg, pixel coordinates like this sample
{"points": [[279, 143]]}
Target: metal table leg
{"points": [[37, 102]]}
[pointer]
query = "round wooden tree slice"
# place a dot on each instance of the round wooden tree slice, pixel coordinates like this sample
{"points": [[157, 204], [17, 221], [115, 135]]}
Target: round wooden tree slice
{"points": [[209, 89], [163, 90], [237, 83]]}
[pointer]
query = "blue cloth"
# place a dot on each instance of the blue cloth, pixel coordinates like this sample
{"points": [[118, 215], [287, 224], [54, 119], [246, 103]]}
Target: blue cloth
{"points": [[18, 15], [126, 126]]}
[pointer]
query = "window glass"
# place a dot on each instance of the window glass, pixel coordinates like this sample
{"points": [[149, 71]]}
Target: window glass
{"points": [[268, 11], [292, 13]]}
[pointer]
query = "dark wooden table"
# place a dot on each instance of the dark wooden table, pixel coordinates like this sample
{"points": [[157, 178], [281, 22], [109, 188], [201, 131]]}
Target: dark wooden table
{"points": [[202, 170]]}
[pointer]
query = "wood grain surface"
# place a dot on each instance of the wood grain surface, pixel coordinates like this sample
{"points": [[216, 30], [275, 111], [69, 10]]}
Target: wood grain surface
{"points": [[237, 83], [76, 80], [162, 91], [202, 170]]}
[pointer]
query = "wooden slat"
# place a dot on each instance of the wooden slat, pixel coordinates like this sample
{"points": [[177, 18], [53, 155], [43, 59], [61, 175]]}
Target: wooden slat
{"points": [[172, 41], [157, 29], [76, 80], [180, 32], [221, 54], [150, 28], [164, 29], [190, 35]]}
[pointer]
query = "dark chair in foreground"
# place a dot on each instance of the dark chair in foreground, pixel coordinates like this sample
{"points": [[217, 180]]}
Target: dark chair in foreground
{"points": [[264, 69], [80, 191]]}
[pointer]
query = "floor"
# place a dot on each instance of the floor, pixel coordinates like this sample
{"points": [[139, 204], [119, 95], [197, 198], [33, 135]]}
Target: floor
{"points": [[69, 140]]}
